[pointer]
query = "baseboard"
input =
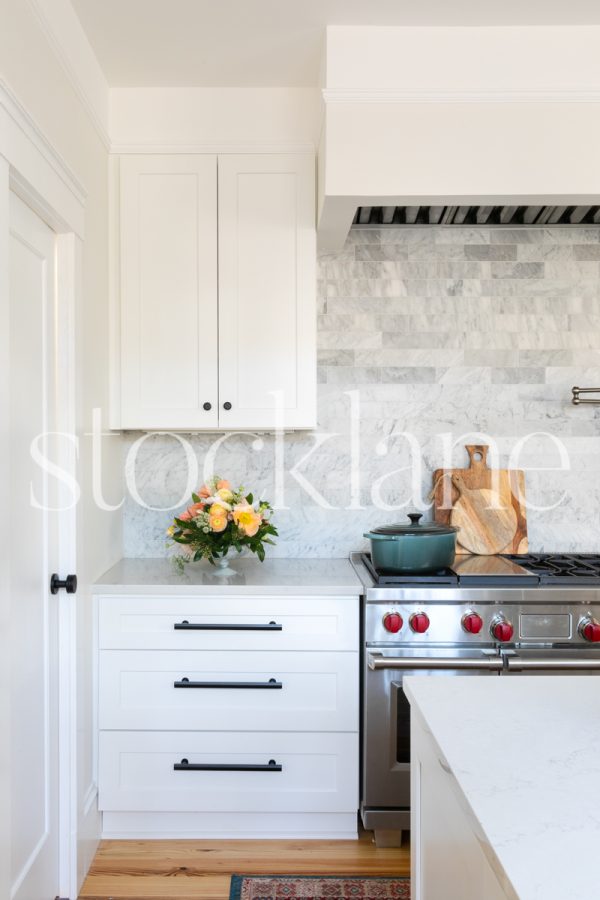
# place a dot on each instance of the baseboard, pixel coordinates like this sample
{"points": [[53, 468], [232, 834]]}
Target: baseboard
{"points": [[229, 826], [89, 830]]}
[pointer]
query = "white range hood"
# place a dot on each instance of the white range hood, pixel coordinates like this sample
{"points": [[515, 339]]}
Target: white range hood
{"points": [[459, 121]]}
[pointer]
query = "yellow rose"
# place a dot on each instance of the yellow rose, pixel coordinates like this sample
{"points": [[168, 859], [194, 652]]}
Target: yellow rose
{"points": [[225, 494], [171, 531]]}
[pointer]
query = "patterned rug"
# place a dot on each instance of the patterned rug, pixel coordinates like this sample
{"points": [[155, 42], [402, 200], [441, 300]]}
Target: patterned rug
{"points": [[317, 887]]}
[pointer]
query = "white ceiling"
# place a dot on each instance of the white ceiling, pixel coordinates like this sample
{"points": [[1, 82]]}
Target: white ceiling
{"points": [[269, 43]]}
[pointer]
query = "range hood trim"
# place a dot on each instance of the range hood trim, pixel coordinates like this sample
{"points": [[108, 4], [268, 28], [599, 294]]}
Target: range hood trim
{"points": [[572, 215]]}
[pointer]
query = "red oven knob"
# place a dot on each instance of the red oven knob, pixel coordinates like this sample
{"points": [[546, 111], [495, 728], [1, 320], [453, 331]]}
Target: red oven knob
{"points": [[501, 629], [589, 629], [419, 622], [472, 623], [392, 621]]}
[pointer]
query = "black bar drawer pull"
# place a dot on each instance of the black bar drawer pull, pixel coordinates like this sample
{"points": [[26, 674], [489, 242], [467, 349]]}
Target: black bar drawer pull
{"points": [[198, 626], [186, 766], [272, 684]]}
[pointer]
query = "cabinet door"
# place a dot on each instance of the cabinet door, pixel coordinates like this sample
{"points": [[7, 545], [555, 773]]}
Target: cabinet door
{"points": [[168, 291], [251, 622], [255, 691], [267, 328], [311, 772]]}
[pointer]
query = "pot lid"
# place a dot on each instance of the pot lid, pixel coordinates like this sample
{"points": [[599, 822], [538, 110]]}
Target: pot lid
{"points": [[415, 527]]}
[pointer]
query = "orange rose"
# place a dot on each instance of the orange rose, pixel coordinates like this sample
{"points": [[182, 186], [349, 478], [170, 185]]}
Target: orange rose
{"points": [[204, 492], [194, 509], [223, 485], [218, 524], [217, 518]]}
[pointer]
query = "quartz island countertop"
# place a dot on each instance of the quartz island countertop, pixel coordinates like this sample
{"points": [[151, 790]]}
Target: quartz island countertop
{"points": [[308, 576], [525, 754]]}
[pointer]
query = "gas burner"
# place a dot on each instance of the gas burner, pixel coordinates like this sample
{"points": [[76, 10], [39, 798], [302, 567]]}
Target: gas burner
{"points": [[561, 568]]}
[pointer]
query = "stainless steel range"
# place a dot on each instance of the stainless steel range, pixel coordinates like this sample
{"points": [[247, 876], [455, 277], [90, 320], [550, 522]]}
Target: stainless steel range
{"points": [[492, 616]]}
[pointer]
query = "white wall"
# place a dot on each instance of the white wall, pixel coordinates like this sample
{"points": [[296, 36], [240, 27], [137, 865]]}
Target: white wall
{"points": [[4, 543], [172, 117], [39, 79]]}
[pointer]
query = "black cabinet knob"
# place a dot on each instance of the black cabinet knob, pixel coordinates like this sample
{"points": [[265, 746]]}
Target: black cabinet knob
{"points": [[207, 406], [227, 406], [69, 584]]}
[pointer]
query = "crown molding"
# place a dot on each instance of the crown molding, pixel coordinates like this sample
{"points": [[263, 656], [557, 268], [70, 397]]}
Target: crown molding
{"points": [[11, 104], [83, 75], [223, 147], [343, 95]]}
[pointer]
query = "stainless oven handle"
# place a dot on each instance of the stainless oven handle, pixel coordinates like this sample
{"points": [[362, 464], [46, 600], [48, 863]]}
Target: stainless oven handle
{"points": [[493, 663], [525, 664]]}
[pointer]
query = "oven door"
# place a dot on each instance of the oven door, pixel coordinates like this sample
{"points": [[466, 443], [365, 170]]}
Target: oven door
{"points": [[386, 723], [555, 661]]}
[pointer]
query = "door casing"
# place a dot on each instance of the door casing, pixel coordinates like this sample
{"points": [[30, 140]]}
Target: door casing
{"points": [[31, 168]]}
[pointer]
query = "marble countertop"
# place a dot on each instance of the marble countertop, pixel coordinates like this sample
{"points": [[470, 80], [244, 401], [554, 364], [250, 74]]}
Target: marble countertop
{"points": [[322, 577], [525, 753]]}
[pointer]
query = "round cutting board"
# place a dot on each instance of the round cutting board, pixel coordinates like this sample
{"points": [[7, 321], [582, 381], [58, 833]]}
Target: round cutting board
{"points": [[485, 526]]}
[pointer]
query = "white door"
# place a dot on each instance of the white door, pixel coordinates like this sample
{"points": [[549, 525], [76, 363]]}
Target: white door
{"points": [[267, 287], [169, 292], [33, 556]]}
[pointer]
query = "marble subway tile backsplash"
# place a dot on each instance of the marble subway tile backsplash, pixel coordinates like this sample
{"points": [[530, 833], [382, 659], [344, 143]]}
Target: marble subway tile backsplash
{"points": [[431, 331]]}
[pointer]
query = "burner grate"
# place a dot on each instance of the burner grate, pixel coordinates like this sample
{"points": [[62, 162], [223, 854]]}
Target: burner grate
{"points": [[561, 568], [445, 576]]}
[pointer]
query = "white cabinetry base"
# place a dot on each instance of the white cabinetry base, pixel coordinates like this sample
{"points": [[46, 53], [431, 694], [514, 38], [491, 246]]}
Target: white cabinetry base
{"points": [[169, 765], [229, 826]]}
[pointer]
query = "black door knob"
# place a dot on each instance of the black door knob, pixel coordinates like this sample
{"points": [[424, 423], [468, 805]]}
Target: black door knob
{"points": [[207, 406], [69, 584], [227, 406]]}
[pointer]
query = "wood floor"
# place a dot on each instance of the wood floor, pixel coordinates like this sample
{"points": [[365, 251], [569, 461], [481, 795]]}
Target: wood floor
{"points": [[200, 870]]}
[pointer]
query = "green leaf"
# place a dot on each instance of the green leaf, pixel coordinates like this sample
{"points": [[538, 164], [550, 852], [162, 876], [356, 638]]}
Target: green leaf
{"points": [[185, 526], [250, 498]]}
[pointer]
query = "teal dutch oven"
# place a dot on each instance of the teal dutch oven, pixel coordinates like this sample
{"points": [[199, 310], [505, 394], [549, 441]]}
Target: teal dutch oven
{"points": [[413, 548]]}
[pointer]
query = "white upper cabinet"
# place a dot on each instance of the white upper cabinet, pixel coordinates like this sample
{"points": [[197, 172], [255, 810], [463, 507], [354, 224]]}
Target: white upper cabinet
{"points": [[267, 355], [168, 258], [207, 351]]}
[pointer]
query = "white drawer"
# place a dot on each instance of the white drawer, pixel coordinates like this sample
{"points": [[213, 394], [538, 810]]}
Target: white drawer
{"points": [[318, 772], [228, 623], [269, 691]]}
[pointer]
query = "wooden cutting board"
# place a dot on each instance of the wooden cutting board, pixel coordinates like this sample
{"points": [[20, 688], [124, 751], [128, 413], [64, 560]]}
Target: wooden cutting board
{"points": [[488, 505]]}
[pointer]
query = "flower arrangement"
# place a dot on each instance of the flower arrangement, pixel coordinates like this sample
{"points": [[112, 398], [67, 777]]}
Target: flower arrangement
{"points": [[220, 519]]}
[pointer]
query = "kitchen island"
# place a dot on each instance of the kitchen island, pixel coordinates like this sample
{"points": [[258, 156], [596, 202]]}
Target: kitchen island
{"points": [[505, 787]]}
